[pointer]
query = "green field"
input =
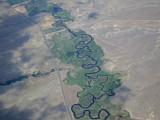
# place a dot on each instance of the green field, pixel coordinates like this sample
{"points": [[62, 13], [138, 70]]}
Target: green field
{"points": [[54, 29], [36, 6], [14, 2], [64, 14], [64, 49]]}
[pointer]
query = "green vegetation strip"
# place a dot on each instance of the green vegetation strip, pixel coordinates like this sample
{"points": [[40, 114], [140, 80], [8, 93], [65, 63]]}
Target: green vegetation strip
{"points": [[54, 29]]}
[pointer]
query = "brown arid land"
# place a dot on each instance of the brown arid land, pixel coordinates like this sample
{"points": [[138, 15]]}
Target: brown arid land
{"points": [[128, 32], [22, 52]]}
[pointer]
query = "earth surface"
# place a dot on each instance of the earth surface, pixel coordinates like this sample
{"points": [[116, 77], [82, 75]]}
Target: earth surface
{"points": [[127, 31]]}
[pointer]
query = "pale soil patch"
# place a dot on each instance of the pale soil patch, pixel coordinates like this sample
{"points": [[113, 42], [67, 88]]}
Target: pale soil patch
{"points": [[47, 21], [116, 24], [71, 93], [20, 8], [109, 66]]}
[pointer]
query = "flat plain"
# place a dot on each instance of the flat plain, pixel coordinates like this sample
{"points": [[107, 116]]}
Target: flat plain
{"points": [[127, 31]]}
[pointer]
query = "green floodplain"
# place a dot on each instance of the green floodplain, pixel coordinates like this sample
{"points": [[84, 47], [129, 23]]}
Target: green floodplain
{"points": [[64, 50], [63, 47]]}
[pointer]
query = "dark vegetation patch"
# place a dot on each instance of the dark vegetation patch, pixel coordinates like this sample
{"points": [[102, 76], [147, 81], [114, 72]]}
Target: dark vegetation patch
{"points": [[93, 15], [20, 78]]}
